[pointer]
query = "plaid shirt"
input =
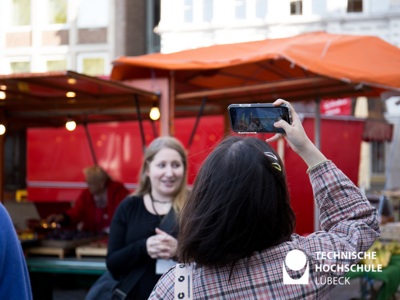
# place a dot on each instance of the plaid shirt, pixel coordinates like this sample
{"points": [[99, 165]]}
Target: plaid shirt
{"points": [[349, 224]]}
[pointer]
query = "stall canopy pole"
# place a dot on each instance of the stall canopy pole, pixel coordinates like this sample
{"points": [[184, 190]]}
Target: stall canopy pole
{"points": [[203, 103], [172, 103], [90, 144], [317, 139], [153, 124], [140, 123]]}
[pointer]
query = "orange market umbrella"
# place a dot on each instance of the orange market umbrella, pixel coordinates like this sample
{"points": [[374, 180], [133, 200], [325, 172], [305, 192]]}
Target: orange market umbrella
{"points": [[309, 65], [305, 67]]}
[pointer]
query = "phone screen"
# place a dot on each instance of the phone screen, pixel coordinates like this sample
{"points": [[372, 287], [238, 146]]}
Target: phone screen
{"points": [[258, 119]]}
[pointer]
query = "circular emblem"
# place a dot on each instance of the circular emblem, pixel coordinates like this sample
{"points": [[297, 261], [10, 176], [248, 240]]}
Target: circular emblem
{"points": [[181, 266], [181, 295], [181, 278]]}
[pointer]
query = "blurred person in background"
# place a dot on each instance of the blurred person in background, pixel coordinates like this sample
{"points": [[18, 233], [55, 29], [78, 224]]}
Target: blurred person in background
{"points": [[96, 205], [14, 277], [139, 252]]}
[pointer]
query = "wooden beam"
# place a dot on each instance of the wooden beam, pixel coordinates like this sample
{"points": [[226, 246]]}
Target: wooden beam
{"points": [[45, 84], [331, 84], [245, 78], [113, 84], [274, 84], [309, 96], [274, 69]]}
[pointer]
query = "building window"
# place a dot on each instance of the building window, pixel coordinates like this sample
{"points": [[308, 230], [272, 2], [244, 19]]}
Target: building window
{"points": [[378, 157], [57, 11], [21, 12], [296, 8], [318, 7], [93, 66], [188, 11], [93, 14], [20, 67], [208, 10], [56, 65], [261, 9], [240, 9], [354, 6]]}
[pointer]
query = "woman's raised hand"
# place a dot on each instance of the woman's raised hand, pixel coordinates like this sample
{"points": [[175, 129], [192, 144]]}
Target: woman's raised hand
{"points": [[297, 138]]}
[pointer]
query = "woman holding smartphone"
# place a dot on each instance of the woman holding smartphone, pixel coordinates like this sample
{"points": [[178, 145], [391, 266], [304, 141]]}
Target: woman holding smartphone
{"points": [[236, 239]]}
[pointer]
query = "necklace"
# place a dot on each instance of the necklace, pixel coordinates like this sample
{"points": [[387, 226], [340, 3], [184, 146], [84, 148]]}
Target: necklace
{"points": [[152, 204], [158, 201]]}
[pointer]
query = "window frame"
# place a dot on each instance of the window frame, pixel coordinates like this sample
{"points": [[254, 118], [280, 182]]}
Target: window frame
{"points": [[266, 8], [93, 55], [91, 26], [203, 10], [354, 12], [13, 59], [245, 9], [188, 8], [373, 173], [46, 26], [45, 58], [8, 7], [301, 7]]}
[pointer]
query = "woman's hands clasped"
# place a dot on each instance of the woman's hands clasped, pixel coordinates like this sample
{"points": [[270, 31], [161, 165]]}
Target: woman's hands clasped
{"points": [[162, 245]]}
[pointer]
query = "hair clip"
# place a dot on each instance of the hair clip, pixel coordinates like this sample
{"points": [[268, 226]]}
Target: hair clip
{"points": [[276, 165], [270, 154]]}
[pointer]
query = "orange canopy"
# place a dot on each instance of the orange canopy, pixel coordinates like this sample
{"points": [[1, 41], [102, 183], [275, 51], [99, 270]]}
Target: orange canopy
{"points": [[349, 59]]}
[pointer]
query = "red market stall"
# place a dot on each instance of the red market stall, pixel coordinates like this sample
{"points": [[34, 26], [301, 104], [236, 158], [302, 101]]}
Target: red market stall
{"points": [[52, 178], [52, 99]]}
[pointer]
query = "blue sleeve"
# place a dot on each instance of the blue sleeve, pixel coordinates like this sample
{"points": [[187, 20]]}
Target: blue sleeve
{"points": [[14, 278]]}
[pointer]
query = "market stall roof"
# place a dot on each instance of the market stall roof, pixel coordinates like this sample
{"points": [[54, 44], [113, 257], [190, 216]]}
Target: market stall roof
{"points": [[304, 67], [49, 99]]}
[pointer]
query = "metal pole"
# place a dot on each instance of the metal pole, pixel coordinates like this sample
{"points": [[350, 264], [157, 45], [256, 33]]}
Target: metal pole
{"points": [[172, 103], [149, 25], [203, 103], [317, 139], [153, 124], [90, 144], [140, 123]]}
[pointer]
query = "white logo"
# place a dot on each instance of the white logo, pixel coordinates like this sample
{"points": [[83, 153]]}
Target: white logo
{"points": [[295, 260]]}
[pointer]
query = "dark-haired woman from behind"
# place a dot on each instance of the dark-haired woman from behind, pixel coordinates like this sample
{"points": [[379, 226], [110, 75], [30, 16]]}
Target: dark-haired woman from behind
{"points": [[236, 239]]}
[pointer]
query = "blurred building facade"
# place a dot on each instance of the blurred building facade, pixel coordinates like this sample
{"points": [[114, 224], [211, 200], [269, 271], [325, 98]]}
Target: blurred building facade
{"points": [[80, 35], [189, 24]]}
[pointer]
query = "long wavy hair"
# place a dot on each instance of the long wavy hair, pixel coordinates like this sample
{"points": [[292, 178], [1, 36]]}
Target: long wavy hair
{"points": [[144, 180], [239, 204]]}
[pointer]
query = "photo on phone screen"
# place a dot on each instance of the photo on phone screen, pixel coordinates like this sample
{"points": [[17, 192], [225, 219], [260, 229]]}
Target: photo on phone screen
{"points": [[257, 119]]}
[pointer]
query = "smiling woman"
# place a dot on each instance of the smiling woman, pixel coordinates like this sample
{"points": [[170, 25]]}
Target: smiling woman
{"points": [[144, 228]]}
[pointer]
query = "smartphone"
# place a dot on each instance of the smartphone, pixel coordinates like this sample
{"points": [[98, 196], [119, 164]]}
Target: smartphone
{"points": [[258, 118]]}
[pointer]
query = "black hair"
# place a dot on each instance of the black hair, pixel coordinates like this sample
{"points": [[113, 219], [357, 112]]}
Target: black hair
{"points": [[239, 204]]}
